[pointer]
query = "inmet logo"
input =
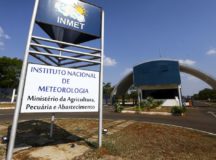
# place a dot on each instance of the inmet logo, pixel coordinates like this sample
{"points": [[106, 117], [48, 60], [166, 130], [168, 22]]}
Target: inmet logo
{"points": [[71, 9]]}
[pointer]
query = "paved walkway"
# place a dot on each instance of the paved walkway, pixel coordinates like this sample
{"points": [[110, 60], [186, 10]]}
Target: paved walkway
{"points": [[70, 150]]}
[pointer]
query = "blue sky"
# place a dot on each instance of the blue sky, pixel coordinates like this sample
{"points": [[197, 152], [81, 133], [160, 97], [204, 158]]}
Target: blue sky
{"points": [[135, 31]]}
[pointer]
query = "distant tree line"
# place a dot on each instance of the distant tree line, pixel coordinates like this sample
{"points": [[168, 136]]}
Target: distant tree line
{"points": [[10, 69], [205, 94]]}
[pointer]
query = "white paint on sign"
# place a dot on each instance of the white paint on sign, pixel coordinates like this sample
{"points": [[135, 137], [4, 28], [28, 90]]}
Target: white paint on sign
{"points": [[56, 89]]}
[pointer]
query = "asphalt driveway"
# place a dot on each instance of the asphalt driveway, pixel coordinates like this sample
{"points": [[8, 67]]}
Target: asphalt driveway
{"points": [[200, 117]]}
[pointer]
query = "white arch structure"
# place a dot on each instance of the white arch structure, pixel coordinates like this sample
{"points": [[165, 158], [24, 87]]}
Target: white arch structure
{"points": [[122, 87]]}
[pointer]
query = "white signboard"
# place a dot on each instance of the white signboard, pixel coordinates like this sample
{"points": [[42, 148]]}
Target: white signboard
{"points": [[57, 89]]}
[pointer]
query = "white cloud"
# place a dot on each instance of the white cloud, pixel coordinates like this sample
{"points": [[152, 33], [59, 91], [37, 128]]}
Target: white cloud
{"points": [[7, 36], [189, 77], [211, 52], [192, 78], [3, 37], [126, 71], [109, 61], [191, 84], [187, 62]]}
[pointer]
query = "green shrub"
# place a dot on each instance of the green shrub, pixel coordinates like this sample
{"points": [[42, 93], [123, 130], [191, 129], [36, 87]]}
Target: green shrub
{"points": [[118, 108], [139, 108], [158, 103], [178, 110], [150, 103]]}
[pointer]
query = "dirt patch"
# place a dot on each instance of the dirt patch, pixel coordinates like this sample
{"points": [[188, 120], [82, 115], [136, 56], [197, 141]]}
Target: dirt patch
{"points": [[99, 154], [35, 133], [58, 152], [3, 127], [128, 141], [150, 141], [2, 151]]}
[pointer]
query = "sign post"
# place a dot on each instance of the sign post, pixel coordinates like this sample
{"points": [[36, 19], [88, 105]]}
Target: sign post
{"points": [[101, 86], [52, 124], [13, 95], [180, 95], [21, 86], [62, 85]]}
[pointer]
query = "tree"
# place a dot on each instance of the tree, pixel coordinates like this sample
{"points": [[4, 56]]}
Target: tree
{"points": [[134, 96], [10, 69], [107, 89], [205, 94]]}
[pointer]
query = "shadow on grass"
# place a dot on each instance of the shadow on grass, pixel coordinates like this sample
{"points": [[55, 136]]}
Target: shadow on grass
{"points": [[35, 133]]}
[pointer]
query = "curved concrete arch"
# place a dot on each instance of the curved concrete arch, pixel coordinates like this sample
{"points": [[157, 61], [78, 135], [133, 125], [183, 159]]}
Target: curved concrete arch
{"points": [[122, 87], [197, 73]]}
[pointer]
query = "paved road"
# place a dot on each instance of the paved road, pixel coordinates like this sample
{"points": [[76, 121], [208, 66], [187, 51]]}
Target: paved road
{"points": [[198, 117]]}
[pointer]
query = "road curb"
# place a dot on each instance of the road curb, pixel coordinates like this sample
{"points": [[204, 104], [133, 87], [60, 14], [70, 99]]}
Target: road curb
{"points": [[149, 113], [4, 108]]}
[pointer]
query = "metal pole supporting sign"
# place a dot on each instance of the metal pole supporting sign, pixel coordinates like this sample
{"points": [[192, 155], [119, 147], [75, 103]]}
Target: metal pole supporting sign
{"points": [[13, 95], [21, 86], [180, 95], [52, 125], [101, 86]]}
